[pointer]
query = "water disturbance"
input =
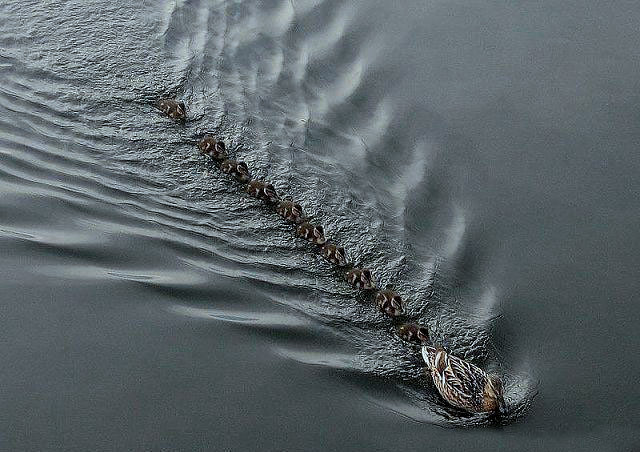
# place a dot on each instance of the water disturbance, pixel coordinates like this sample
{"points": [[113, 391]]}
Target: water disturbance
{"points": [[149, 298]]}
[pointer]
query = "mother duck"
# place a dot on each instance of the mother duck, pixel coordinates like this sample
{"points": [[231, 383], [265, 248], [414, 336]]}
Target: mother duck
{"points": [[462, 384]]}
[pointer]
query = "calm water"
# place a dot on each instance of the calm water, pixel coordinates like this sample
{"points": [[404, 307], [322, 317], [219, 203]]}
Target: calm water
{"points": [[480, 156]]}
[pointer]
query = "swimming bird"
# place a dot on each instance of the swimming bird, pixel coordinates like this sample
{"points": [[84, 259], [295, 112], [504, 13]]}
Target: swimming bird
{"points": [[334, 254], [290, 211], [360, 278], [463, 384], [262, 190], [172, 108], [213, 148], [313, 233], [389, 302], [239, 170], [411, 332]]}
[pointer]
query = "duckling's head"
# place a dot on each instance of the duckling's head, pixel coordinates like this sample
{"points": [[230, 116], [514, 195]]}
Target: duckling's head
{"points": [[494, 394], [181, 111], [270, 193], [341, 256], [318, 234], [243, 172]]}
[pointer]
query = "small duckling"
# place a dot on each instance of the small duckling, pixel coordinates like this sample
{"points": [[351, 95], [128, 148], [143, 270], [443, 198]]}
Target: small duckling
{"points": [[314, 234], [334, 254], [290, 211], [360, 278], [239, 170], [411, 332], [389, 302], [213, 148], [172, 108], [463, 384], [262, 190]]}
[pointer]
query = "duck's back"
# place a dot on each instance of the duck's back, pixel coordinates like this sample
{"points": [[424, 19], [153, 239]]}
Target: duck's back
{"points": [[460, 383]]}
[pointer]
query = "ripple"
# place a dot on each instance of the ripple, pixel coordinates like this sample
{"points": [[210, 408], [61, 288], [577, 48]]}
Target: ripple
{"points": [[294, 88]]}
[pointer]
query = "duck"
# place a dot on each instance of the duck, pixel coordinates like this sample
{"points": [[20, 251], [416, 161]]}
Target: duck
{"points": [[360, 278], [334, 254], [239, 170], [389, 302], [411, 332], [262, 190], [312, 233], [213, 148], [462, 384], [172, 108], [290, 211]]}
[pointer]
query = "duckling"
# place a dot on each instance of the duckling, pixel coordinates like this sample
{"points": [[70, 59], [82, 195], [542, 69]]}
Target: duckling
{"points": [[262, 190], [389, 302], [239, 170], [213, 148], [360, 278], [411, 332], [290, 211], [172, 108], [334, 254], [314, 234], [463, 384]]}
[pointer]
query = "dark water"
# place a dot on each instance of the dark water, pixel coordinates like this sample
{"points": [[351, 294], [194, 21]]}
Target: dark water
{"points": [[482, 156]]}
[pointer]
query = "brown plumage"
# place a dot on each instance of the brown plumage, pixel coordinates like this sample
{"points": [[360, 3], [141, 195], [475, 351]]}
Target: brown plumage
{"points": [[215, 149], [239, 170], [416, 334], [334, 254], [360, 278], [461, 383], [172, 108], [389, 302], [312, 233], [262, 190], [290, 211]]}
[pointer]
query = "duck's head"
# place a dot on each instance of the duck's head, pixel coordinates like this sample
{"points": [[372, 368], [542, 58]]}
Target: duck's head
{"points": [[393, 306], [494, 394], [243, 172], [270, 193], [411, 332], [318, 235], [366, 278], [296, 211], [180, 111], [341, 256]]}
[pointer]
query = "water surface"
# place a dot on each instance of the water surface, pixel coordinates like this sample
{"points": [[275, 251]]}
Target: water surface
{"points": [[480, 157]]}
